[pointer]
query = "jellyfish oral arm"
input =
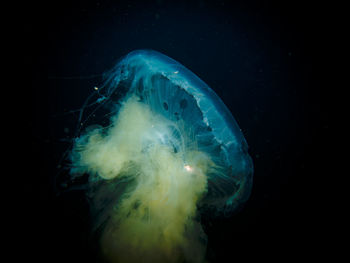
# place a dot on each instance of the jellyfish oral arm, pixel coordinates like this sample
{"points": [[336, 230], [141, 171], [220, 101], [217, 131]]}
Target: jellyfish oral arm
{"points": [[166, 188]]}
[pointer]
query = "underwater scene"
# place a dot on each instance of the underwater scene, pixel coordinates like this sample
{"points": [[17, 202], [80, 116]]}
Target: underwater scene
{"points": [[171, 131]]}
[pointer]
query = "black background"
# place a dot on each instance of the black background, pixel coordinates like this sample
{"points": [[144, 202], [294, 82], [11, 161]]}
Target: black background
{"points": [[260, 57]]}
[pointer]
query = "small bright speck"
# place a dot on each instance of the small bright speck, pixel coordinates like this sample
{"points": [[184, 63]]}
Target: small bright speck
{"points": [[188, 168], [96, 88], [175, 72]]}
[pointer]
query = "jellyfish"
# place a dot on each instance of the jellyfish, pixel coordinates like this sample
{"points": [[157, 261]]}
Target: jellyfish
{"points": [[159, 148]]}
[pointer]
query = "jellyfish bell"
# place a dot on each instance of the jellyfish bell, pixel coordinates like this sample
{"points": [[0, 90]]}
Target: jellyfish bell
{"points": [[171, 90], [165, 133]]}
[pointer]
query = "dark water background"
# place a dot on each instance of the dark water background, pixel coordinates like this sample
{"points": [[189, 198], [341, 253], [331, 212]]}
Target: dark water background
{"points": [[258, 56]]}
